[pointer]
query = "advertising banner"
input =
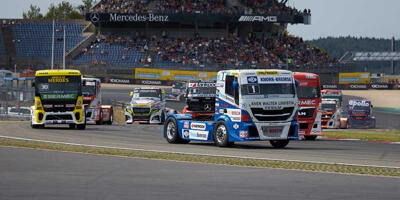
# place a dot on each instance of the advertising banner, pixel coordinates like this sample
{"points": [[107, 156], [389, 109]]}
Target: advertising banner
{"points": [[330, 86], [355, 78], [354, 86], [382, 86]]}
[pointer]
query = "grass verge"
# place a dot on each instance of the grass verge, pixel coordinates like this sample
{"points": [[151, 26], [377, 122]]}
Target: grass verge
{"points": [[368, 135], [246, 162]]}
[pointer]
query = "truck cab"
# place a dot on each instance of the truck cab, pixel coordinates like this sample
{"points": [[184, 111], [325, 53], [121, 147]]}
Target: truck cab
{"points": [[331, 113], [147, 105], [251, 105], [178, 91], [309, 115], [359, 114], [95, 112]]}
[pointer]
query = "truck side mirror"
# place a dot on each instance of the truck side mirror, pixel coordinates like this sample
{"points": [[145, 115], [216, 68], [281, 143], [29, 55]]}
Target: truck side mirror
{"points": [[131, 94]]}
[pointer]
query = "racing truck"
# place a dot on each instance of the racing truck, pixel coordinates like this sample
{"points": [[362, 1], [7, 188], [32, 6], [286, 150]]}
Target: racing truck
{"points": [[332, 109], [58, 99], [96, 113], [359, 114], [177, 92], [251, 105], [309, 115], [147, 105]]}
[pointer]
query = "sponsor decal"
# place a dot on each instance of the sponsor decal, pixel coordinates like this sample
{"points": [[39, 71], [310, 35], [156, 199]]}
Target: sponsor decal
{"points": [[58, 96], [114, 17], [263, 73], [307, 102], [206, 85], [330, 86], [186, 124], [185, 134], [58, 79], [310, 76], [252, 79], [198, 126], [235, 126], [221, 111], [198, 135], [284, 79], [359, 103], [271, 19], [243, 134]]}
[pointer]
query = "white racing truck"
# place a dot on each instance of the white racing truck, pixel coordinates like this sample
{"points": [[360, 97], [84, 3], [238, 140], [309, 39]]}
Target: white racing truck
{"points": [[147, 105], [251, 105]]}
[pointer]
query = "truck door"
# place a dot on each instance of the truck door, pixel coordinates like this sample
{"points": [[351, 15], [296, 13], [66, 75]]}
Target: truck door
{"points": [[230, 91]]}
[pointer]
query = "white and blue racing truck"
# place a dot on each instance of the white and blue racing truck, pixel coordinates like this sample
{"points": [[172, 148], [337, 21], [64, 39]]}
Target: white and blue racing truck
{"points": [[251, 105]]}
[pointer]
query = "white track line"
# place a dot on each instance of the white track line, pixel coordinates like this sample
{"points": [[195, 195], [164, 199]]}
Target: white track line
{"points": [[200, 154]]}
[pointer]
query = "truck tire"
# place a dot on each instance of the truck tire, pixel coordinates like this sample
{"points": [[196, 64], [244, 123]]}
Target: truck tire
{"points": [[171, 132], [310, 137], [100, 121], [109, 122], [221, 135], [279, 144]]}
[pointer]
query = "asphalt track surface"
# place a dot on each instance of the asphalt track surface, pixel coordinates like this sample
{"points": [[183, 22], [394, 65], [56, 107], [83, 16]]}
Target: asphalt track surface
{"points": [[150, 137], [36, 174]]}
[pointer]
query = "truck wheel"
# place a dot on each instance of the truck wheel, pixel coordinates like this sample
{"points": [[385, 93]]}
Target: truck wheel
{"points": [[310, 137], [111, 118], [279, 144], [100, 121], [221, 135], [171, 132]]}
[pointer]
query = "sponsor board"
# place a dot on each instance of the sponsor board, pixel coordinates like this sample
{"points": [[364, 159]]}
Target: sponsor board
{"points": [[380, 86], [119, 81], [355, 87], [149, 82], [198, 135], [268, 19]]}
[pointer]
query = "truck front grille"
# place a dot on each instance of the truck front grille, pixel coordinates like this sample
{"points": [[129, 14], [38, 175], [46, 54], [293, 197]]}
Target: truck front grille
{"points": [[59, 117], [141, 110], [306, 113], [272, 115]]}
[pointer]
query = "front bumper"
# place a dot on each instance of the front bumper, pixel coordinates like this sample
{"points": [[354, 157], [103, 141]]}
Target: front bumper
{"points": [[152, 118], [58, 118]]}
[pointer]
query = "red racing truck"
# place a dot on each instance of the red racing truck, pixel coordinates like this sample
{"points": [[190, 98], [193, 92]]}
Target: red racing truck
{"points": [[95, 111], [309, 115]]}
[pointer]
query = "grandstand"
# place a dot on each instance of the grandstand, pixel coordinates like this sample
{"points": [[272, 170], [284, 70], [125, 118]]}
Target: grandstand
{"points": [[120, 35], [34, 39], [1, 45]]}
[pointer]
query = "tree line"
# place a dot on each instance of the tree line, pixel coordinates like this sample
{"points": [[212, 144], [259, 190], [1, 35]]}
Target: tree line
{"points": [[60, 11]]}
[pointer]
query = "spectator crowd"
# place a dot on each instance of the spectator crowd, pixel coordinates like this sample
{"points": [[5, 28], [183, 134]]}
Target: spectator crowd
{"points": [[262, 7], [230, 51]]}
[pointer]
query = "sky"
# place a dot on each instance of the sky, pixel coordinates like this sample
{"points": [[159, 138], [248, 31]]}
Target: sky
{"points": [[366, 18]]}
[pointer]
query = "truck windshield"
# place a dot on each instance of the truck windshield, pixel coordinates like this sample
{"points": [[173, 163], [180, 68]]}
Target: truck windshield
{"points": [[308, 92], [179, 85], [361, 108], [328, 107], [268, 89], [89, 90], [146, 94], [58, 87]]}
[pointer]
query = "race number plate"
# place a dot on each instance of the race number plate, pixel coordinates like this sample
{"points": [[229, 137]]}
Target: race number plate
{"points": [[272, 131]]}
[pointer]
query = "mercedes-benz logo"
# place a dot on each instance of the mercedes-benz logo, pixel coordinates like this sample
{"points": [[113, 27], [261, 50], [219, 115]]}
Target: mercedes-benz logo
{"points": [[207, 107], [94, 17]]}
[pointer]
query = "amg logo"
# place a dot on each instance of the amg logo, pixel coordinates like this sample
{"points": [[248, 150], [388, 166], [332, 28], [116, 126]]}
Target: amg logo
{"points": [[258, 19], [138, 18]]}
